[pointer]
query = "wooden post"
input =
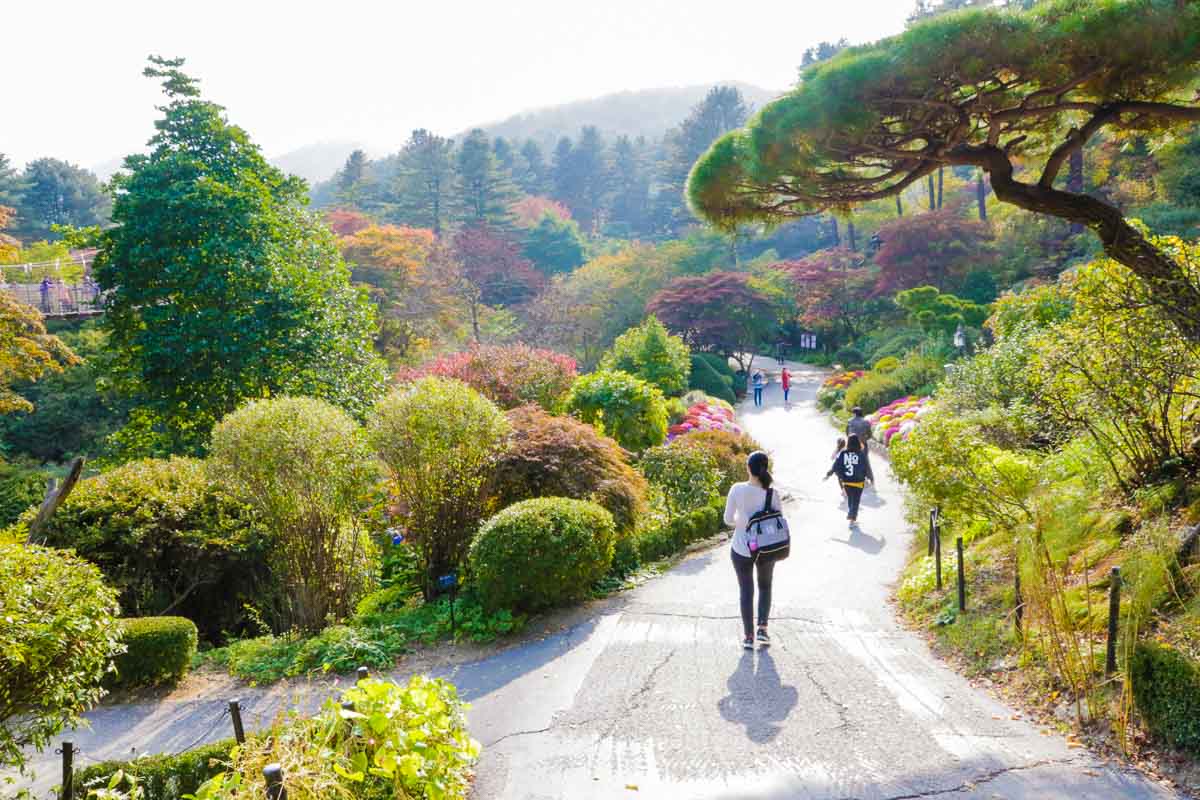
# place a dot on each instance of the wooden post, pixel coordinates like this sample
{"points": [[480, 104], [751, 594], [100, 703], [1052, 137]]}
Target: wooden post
{"points": [[68, 771], [1019, 606], [937, 552], [235, 714], [1114, 618], [962, 579]]}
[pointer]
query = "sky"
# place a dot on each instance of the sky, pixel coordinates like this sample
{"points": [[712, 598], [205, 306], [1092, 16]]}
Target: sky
{"points": [[295, 73]]}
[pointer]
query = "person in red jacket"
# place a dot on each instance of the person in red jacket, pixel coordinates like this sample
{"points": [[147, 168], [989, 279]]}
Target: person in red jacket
{"points": [[786, 379]]}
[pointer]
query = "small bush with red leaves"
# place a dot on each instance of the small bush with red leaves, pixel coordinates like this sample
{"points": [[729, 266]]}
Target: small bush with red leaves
{"points": [[549, 456], [508, 375]]}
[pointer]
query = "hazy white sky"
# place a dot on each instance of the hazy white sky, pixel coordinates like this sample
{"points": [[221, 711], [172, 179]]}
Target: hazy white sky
{"points": [[293, 73]]}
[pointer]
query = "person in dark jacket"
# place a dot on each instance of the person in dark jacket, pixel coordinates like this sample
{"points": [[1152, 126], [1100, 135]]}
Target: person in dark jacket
{"points": [[859, 425], [854, 470]]}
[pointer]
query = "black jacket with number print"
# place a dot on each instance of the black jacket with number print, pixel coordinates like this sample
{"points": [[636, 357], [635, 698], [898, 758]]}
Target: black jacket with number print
{"points": [[851, 466]]}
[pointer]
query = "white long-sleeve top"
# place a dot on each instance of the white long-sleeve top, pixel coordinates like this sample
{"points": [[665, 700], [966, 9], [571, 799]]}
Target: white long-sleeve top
{"points": [[745, 499]]}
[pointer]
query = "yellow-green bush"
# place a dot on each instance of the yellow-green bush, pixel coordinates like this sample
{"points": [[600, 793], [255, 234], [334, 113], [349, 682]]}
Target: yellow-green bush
{"points": [[1166, 690], [161, 777]]}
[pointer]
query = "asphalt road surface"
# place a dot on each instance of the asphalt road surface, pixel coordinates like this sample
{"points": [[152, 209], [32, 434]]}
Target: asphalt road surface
{"points": [[651, 695]]}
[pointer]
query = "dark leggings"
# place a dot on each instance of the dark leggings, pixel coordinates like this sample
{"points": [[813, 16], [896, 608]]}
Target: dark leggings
{"points": [[745, 568], [758, 395], [853, 496]]}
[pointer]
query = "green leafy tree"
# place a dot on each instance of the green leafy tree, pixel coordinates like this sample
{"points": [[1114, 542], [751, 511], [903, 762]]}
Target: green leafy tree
{"points": [[623, 406], [554, 245], [652, 354], [630, 205], [721, 110], [683, 477], [581, 177], [12, 185], [531, 172], [352, 178], [221, 286], [26, 351], [58, 636], [876, 119], [58, 193]]}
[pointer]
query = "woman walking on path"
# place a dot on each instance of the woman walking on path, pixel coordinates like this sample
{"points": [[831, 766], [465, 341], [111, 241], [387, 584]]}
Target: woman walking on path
{"points": [[854, 470], [746, 499], [785, 378], [758, 382]]}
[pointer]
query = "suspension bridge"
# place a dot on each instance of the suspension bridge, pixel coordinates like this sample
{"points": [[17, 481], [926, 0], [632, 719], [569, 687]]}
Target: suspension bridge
{"points": [[61, 288]]}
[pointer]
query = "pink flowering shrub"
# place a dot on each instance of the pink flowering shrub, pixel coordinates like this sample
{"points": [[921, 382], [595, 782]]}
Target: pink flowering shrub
{"points": [[508, 375], [898, 418], [711, 415]]}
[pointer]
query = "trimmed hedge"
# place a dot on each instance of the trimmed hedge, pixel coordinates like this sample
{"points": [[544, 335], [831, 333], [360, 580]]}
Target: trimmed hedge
{"points": [[157, 650], [681, 531], [1166, 690], [708, 380], [541, 553], [164, 777]]}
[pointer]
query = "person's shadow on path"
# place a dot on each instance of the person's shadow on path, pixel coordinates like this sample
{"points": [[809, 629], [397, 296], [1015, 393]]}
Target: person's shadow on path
{"points": [[757, 699], [862, 541]]}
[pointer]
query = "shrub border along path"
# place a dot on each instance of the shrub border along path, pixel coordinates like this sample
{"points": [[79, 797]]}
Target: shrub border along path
{"points": [[856, 703]]}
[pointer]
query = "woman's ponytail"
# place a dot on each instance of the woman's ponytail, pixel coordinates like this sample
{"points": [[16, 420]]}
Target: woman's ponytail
{"points": [[757, 463]]}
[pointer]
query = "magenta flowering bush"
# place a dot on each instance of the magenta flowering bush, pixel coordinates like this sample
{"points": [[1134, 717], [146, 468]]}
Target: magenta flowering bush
{"points": [[708, 415], [898, 418]]}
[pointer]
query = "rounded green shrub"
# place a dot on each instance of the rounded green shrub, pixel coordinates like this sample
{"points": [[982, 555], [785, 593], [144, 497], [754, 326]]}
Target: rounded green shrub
{"points": [[720, 365], [886, 364], [684, 477], [709, 381], [302, 464], [549, 456], [542, 553], [873, 391], [169, 538], [622, 406], [652, 354], [20, 488], [158, 650], [849, 357], [439, 439], [1166, 691], [58, 636], [729, 450]]}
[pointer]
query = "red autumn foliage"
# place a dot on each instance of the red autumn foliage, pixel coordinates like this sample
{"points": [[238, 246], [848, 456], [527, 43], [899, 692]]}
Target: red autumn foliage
{"points": [[933, 249], [508, 375], [493, 264], [719, 311], [530, 210], [346, 221]]}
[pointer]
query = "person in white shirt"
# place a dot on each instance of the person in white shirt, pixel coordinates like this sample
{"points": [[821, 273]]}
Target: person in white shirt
{"points": [[744, 500]]}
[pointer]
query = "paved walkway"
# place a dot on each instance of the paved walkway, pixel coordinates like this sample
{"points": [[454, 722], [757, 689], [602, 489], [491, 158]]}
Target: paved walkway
{"points": [[652, 697]]}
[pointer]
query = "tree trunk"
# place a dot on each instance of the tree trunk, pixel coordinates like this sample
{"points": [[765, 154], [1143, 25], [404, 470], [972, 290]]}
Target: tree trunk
{"points": [[931, 195], [1177, 296], [981, 196], [940, 169], [1075, 181], [899, 207], [55, 495], [837, 239], [850, 234]]}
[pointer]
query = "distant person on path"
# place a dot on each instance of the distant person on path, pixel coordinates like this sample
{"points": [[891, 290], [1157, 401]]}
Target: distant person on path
{"points": [[854, 470], [44, 289], [839, 447], [758, 382], [779, 353], [785, 378], [859, 426], [744, 500]]}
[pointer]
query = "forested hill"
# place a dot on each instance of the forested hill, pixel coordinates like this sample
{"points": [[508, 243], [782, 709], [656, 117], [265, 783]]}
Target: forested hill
{"points": [[648, 112]]}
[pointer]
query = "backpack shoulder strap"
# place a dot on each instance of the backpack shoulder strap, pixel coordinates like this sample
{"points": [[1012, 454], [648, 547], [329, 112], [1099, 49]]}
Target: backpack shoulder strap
{"points": [[767, 501]]}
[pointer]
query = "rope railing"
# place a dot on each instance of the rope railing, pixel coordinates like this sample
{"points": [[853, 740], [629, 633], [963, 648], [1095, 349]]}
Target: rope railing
{"points": [[58, 299]]}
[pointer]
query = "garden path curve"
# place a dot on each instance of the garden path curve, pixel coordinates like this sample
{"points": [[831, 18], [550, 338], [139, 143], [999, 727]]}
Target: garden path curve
{"points": [[652, 697]]}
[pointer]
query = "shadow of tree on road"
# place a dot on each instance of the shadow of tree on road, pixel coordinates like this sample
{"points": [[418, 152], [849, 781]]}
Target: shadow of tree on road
{"points": [[757, 698]]}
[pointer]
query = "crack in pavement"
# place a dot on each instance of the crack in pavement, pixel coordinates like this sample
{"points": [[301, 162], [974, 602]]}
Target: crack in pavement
{"points": [[971, 784], [514, 734], [632, 703], [641, 613]]}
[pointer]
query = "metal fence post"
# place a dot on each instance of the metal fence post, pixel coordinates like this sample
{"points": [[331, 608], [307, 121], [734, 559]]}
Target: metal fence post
{"points": [[274, 775], [68, 771], [235, 714], [1114, 618], [937, 552], [1019, 605], [932, 523], [363, 673], [962, 580]]}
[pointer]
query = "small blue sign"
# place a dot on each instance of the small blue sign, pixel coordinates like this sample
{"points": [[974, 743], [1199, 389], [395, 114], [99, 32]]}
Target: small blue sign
{"points": [[447, 582], [397, 536]]}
